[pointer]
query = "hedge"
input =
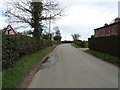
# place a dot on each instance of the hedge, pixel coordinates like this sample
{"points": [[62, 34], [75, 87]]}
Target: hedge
{"points": [[67, 41], [46, 42], [108, 44], [81, 44], [15, 47]]}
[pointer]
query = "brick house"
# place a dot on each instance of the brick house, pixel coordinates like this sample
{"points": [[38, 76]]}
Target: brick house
{"points": [[108, 30]]}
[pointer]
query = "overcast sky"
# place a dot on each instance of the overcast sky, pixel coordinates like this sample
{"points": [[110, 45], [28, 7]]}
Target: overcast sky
{"points": [[86, 15], [82, 16]]}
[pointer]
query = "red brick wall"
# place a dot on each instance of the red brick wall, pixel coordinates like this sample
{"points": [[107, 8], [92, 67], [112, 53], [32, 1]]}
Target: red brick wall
{"points": [[113, 29]]}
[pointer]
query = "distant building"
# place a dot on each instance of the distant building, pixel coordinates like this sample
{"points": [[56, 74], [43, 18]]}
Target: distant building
{"points": [[108, 30]]}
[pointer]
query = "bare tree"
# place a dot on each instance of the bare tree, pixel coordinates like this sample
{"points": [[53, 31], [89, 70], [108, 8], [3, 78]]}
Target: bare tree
{"points": [[27, 13], [75, 36], [51, 7]]}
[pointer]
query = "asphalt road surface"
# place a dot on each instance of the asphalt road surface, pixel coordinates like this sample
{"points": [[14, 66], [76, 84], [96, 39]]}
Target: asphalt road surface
{"points": [[68, 67]]}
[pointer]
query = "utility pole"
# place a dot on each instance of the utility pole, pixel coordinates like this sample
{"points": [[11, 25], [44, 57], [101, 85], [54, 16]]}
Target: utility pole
{"points": [[49, 25]]}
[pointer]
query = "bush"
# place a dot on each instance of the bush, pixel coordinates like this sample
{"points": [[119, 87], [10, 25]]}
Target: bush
{"points": [[15, 47], [109, 44], [81, 44], [46, 42], [56, 42], [9, 54], [67, 41], [57, 38]]}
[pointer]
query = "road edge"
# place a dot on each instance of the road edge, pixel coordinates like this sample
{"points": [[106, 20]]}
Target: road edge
{"points": [[28, 78]]}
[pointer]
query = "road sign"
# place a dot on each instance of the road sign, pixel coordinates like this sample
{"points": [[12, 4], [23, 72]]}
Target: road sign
{"points": [[10, 31]]}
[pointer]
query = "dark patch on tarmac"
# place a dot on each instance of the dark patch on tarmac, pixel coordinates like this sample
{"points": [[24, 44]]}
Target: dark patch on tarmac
{"points": [[49, 62]]}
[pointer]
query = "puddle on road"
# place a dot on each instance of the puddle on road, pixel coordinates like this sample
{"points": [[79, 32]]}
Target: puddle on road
{"points": [[51, 61]]}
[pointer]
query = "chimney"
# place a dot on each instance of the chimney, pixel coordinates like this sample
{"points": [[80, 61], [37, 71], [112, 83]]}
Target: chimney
{"points": [[117, 20], [105, 24]]}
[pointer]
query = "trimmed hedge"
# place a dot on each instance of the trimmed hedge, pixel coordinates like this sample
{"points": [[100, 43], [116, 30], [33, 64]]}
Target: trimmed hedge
{"points": [[15, 47], [81, 44], [109, 44], [67, 41], [46, 42]]}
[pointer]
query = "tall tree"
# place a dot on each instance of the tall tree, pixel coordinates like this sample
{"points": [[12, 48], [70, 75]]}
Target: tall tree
{"points": [[57, 34], [36, 8], [28, 13], [57, 31]]}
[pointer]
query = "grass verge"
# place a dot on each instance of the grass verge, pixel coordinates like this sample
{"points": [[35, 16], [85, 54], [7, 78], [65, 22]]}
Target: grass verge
{"points": [[104, 56], [76, 46], [13, 76], [0, 80]]}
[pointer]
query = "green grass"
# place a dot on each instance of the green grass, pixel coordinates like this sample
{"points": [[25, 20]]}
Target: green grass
{"points": [[104, 56], [76, 46], [12, 77], [0, 80]]}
